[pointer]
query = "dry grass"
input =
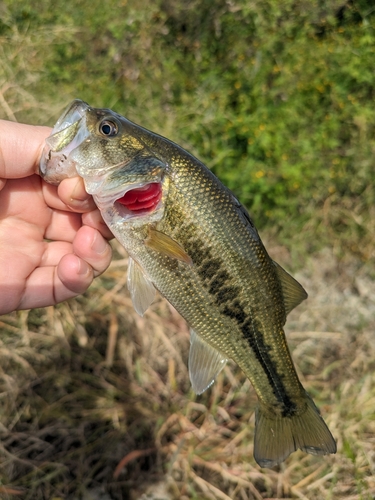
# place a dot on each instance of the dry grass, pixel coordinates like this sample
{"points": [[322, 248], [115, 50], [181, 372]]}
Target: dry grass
{"points": [[22, 59], [96, 401]]}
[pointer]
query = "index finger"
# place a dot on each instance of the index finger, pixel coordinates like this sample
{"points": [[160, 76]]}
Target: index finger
{"points": [[69, 195], [20, 149]]}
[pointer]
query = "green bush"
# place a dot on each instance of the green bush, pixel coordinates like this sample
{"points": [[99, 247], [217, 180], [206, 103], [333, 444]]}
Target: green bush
{"points": [[276, 97]]}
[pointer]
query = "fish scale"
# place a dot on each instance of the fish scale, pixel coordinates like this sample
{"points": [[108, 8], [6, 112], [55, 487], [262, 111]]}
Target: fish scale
{"points": [[181, 283], [199, 247], [228, 304]]}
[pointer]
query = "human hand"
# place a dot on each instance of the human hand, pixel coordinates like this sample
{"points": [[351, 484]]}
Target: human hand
{"points": [[52, 239]]}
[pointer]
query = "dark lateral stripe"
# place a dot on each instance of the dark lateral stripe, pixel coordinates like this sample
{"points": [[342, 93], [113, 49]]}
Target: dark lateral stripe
{"points": [[235, 311], [226, 297], [208, 269], [219, 284], [261, 351]]}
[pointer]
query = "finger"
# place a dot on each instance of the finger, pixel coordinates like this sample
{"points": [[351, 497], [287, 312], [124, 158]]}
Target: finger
{"points": [[20, 149], [65, 201], [50, 285], [22, 198], [54, 252], [72, 276], [92, 218], [95, 220], [52, 198], [63, 226], [90, 245], [73, 193]]}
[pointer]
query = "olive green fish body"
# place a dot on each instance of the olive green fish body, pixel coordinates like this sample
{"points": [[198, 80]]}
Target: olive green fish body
{"points": [[200, 249], [231, 295]]}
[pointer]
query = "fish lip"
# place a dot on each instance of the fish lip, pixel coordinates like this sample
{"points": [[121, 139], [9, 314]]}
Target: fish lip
{"points": [[68, 133], [73, 113]]}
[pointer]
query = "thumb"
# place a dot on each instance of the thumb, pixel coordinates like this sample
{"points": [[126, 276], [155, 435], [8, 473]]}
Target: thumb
{"points": [[20, 149]]}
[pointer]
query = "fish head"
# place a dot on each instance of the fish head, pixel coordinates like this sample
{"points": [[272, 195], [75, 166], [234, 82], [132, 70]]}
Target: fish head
{"points": [[105, 149]]}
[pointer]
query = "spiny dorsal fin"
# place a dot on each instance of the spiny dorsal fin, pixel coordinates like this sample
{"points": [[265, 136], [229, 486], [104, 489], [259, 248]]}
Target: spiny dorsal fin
{"points": [[142, 291], [205, 363], [163, 243], [293, 292]]}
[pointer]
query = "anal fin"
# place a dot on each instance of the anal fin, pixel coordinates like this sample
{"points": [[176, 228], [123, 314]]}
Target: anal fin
{"points": [[205, 363], [142, 291]]}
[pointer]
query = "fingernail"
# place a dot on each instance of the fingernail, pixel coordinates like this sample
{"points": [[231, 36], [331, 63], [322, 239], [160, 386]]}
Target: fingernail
{"points": [[83, 268], [79, 205], [99, 245], [79, 198], [79, 193]]}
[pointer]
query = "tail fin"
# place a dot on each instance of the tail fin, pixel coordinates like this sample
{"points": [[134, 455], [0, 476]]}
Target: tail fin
{"points": [[276, 438]]}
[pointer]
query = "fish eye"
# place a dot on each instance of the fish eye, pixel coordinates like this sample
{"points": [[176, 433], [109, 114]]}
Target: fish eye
{"points": [[108, 128]]}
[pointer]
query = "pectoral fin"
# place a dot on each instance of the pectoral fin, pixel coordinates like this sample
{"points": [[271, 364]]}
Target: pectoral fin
{"points": [[165, 244], [205, 363], [293, 292], [141, 289]]}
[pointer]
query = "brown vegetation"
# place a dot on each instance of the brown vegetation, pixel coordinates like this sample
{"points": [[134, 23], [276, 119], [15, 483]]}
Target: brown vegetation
{"points": [[96, 401]]}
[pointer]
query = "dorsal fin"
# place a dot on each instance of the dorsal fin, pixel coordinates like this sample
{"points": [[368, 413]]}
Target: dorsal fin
{"points": [[293, 292]]}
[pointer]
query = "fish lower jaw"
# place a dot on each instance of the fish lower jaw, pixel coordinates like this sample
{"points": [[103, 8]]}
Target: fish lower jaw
{"points": [[55, 167]]}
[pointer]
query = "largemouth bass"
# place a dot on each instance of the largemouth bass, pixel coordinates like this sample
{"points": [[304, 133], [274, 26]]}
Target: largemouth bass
{"points": [[189, 237]]}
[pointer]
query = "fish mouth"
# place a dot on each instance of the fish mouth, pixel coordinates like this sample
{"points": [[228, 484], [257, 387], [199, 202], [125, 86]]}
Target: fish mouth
{"points": [[141, 201], [66, 135], [136, 202]]}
